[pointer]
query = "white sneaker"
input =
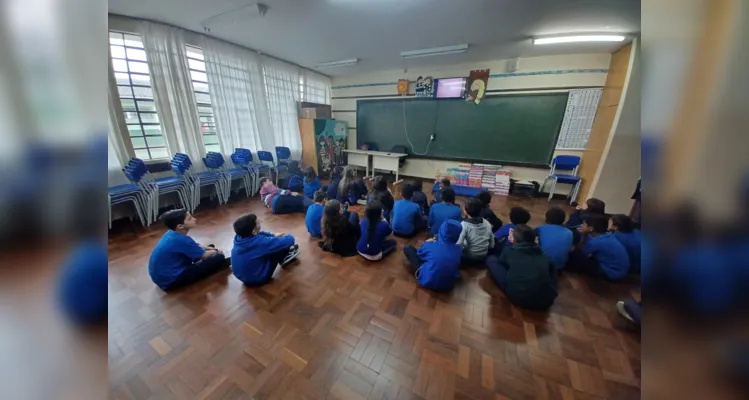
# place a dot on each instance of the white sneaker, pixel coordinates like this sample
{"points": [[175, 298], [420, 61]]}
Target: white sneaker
{"points": [[623, 311], [361, 202], [293, 253]]}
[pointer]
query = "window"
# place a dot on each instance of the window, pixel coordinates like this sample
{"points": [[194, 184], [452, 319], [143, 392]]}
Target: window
{"points": [[136, 96], [196, 62]]}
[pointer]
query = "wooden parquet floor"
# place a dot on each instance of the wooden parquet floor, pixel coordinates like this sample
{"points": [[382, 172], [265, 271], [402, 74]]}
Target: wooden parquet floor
{"points": [[344, 328]]}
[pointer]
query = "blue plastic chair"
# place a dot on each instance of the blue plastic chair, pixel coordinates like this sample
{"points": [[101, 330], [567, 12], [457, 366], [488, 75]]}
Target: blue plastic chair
{"points": [[283, 155], [266, 159], [564, 163], [242, 158], [129, 193]]}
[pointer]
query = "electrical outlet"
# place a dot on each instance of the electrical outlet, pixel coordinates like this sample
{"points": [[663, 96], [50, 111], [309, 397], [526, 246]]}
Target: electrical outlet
{"points": [[432, 137]]}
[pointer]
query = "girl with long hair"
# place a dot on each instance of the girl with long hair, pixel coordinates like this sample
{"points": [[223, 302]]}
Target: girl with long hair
{"points": [[374, 243], [381, 193], [350, 189], [340, 229], [311, 182]]}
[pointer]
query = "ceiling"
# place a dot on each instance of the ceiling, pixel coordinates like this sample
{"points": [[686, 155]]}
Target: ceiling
{"points": [[308, 32]]}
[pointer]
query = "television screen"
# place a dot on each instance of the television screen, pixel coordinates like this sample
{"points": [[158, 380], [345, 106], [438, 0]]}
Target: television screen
{"points": [[449, 88]]}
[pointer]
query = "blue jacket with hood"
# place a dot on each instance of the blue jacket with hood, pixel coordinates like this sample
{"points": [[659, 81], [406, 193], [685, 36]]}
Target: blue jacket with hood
{"points": [[250, 257], [441, 258]]}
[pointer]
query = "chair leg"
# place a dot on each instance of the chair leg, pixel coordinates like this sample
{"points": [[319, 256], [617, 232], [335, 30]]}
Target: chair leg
{"points": [[553, 187]]}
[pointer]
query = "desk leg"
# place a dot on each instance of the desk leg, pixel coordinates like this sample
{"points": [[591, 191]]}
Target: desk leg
{"points": [[396, 173]]}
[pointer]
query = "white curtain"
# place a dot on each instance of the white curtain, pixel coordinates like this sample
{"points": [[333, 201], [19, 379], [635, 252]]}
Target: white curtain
{"points": [[282, 94], [118, 150], [173, 94], [238, 97], [316, 88]]}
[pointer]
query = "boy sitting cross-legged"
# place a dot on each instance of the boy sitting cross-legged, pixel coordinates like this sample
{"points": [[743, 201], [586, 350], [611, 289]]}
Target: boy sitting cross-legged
{"points": [[256, 253]]}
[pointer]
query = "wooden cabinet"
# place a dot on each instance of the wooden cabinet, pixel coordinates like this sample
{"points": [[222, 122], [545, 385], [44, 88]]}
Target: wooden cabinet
{"points": [[323, 144]]}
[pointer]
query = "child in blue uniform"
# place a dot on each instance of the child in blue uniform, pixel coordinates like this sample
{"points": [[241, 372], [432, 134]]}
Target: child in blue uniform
{"points": [[598, 254], [485, 197], [444, 183], [518, 215], [381, 193], [256, 253], [335, 179], [554, 238], [178, 260], [419, 197], [443, 211], [437, 261], [311, 182], [407, 219], [374, 243], [314, 215], [622, 227]]}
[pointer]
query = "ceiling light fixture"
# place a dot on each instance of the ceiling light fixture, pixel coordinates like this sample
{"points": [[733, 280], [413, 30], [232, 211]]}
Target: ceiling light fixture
{"points": [[579, 38], [436, 51], [342, 63]]}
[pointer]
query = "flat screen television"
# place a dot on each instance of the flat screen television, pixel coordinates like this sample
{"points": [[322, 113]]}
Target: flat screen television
{"points": [[449, 88]]}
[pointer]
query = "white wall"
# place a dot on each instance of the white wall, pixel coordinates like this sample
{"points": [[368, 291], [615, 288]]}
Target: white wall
{"points": [[619, 169], [559, 72]]}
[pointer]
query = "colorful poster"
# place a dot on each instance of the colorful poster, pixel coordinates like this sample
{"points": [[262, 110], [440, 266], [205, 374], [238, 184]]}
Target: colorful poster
{"points": [[330, 136], [403, 87], [424, 87], [476, 85]]}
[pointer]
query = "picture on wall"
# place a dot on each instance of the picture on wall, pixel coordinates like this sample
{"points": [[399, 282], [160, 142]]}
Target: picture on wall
{"points": [[403, 87], [476, 85], [424, 87], [331, 136]]}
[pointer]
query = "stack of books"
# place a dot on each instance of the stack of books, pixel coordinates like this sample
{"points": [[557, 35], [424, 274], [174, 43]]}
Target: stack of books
{"points": [[475, 174], [501, 182], [462, 174]]}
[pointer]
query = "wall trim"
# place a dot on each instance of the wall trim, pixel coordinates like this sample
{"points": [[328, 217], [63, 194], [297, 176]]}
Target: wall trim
{"points": [[505, 75], [493, 91]]}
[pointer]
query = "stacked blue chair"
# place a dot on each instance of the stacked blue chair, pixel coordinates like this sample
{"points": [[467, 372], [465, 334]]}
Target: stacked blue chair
{"points": [[137, 173], [130, 193], [259, 168], [283, 155], [266, 159], [178, 184], [564, 163], [242, 158], [231, 174], [198, 180]]}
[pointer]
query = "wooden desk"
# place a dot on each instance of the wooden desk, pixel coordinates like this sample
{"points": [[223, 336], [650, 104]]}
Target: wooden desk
{"points": [[381, 160]]}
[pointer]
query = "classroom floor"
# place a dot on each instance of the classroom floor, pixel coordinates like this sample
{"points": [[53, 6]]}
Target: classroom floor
{"points": [[345, 328]]}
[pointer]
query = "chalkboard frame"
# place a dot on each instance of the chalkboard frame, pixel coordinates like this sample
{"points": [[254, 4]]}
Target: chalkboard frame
{"points": [[468, 159]]}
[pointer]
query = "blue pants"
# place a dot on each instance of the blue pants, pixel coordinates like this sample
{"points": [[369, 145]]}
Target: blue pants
{"points": [[287, 204], [497, 272]]}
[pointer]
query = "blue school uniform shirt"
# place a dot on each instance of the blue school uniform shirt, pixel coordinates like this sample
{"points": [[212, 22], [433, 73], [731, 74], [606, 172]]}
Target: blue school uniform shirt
{"points": [[404, 216], [421, 200], [311, 187], [502, 233], [372, 247], [313, 220], [556, 243], [441, 258], [171, 256], [250, 256], [632, 242], [610, 255], [440, 213]]}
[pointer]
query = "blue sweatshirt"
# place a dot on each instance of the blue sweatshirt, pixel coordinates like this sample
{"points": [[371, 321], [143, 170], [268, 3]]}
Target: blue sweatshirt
{"points": [[405, 213], [311, 187], [250, 257], [333, 188], [632, 242], [441, 259], [503, 233], [556, 243], [610, 255], [440, 213], [313, 220], [372, 247]]}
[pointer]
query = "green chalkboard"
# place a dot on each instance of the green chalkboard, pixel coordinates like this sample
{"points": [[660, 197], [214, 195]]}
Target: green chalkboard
{"points": [[518, 129]]}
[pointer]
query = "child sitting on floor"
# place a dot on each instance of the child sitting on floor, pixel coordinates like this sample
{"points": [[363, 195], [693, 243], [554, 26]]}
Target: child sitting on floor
{"points": [[437, 261], [282, 201], [419, 197], [407, 218], [598, 254], [485, 197], [518, 215], [622, 227], [444, 183], [526, 276], [477, 237], [381, 193], [256, 253], [314, 215], [350, 189], [555, 240], [331, 188], [591, 206], [177, 260], [443, 211], [311, 182], [340, 229], [373, 243]]}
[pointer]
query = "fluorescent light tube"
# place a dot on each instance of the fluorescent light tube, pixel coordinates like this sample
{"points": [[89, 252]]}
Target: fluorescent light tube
{"points": [[342, 63], [579, 38], [437, 51]]}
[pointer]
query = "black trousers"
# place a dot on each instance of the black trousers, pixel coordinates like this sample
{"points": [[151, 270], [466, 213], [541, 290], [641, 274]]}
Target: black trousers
{"points": [[200, 270], [414, 262], [275, 259], [579, 262], [287, 204]]}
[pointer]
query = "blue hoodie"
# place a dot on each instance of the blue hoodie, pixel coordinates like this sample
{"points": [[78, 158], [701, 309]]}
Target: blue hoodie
{"points": [[311, 187], [441, 258], [333, 188], [250, 257]]}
